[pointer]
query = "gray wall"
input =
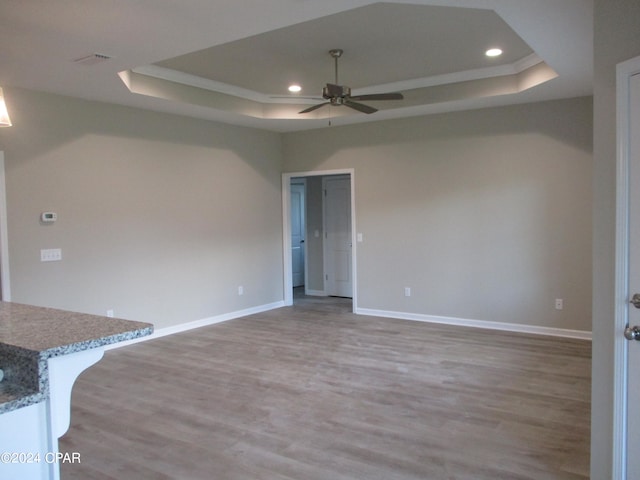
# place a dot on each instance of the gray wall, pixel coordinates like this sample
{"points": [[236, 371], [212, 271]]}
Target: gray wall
{"points": [[485, 214], [617, 38], [160, 217]]}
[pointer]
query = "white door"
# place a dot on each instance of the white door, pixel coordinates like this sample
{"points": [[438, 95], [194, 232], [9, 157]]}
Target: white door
{"points": [[337, 244], [297, 234], [633, 353], [626, 425]]}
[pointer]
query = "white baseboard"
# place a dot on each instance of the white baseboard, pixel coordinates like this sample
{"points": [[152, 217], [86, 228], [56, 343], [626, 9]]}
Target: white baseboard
{"points": [[183, 327], [463, 322], [510, 327], [315, 293]]}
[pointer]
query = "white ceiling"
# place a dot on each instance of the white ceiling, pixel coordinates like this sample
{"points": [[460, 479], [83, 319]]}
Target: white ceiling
{"points": [[231, 60]]}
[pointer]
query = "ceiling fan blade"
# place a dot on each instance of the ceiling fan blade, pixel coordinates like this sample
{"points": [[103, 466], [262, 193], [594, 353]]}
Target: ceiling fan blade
{"points": [[379, 96], [361, 107], [314, 107]]}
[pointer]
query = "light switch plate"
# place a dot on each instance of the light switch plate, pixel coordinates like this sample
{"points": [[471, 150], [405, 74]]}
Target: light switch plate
{"points": [[50, 255]]}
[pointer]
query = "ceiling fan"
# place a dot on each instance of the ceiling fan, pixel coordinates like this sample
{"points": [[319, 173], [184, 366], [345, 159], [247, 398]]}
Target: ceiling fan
{"points": [[341, 95]]}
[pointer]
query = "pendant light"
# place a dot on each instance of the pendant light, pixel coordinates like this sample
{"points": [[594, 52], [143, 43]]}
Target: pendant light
{"points": [[5, 121]]}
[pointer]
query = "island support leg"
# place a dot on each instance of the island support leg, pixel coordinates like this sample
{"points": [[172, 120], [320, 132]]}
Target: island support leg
{"points": [[63, 372], [29, 435]]}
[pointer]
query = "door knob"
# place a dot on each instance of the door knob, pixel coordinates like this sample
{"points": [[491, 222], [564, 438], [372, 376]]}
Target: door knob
{"points": [[632, 333], [635, 300]]}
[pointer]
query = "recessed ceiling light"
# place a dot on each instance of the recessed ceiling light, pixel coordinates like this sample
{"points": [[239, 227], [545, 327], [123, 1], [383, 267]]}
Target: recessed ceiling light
{"points": [[493, 52], [295, 88]]}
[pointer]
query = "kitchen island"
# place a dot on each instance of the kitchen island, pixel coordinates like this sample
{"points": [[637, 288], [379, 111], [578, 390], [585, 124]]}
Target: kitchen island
{"points": [[42, 352]]}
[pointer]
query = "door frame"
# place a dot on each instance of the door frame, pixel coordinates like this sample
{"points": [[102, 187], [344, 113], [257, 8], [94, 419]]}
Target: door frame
{"points": [[4, 237], [624, 72], [286, 230], [303, 182]]}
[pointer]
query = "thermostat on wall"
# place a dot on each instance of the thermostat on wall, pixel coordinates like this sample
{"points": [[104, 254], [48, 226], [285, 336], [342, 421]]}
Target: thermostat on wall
{"points": [[49, 217]]}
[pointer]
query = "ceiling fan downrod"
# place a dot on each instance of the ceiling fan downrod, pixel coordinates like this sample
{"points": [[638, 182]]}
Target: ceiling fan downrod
{"points": [[336, 53]]}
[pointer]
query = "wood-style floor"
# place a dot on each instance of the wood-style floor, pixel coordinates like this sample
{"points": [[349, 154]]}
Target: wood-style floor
{"points": [[313, 392]]}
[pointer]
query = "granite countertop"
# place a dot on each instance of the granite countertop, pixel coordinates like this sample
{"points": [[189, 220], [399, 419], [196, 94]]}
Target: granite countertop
{"points": [[30, 335]]}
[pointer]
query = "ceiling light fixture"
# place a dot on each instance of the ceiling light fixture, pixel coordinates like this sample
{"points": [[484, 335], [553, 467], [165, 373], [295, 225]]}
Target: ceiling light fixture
{"points": [[295, 88], [5, 121], [493, 52]]}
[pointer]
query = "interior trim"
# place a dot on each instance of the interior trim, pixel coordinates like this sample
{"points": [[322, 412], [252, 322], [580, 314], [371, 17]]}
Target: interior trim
{"points": [[184, 327], [5, 278], [182, 78], [465, 322]]}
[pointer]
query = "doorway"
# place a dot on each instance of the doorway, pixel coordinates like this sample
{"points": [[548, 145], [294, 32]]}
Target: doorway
{"points": [[315, 271]]}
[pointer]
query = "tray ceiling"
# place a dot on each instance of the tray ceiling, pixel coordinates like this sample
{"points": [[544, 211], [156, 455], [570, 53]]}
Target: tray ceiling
{"points": [[232, 61]]}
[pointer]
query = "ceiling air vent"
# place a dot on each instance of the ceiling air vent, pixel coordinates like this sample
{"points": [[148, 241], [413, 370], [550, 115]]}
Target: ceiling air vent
{"points": [[92, 59]]}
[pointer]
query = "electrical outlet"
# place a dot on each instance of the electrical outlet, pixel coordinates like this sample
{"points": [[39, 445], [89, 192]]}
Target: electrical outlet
{"points": [[559, 303], [110, 313], [240, 290], [407, 291]]}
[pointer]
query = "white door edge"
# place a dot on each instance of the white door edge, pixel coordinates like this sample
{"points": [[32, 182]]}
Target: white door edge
{"points": [[286, 230], [624, 72], [4, 237]]}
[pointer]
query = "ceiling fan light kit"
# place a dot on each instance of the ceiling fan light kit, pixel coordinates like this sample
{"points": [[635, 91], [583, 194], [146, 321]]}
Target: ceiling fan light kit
{"points": [[338, 95]]}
